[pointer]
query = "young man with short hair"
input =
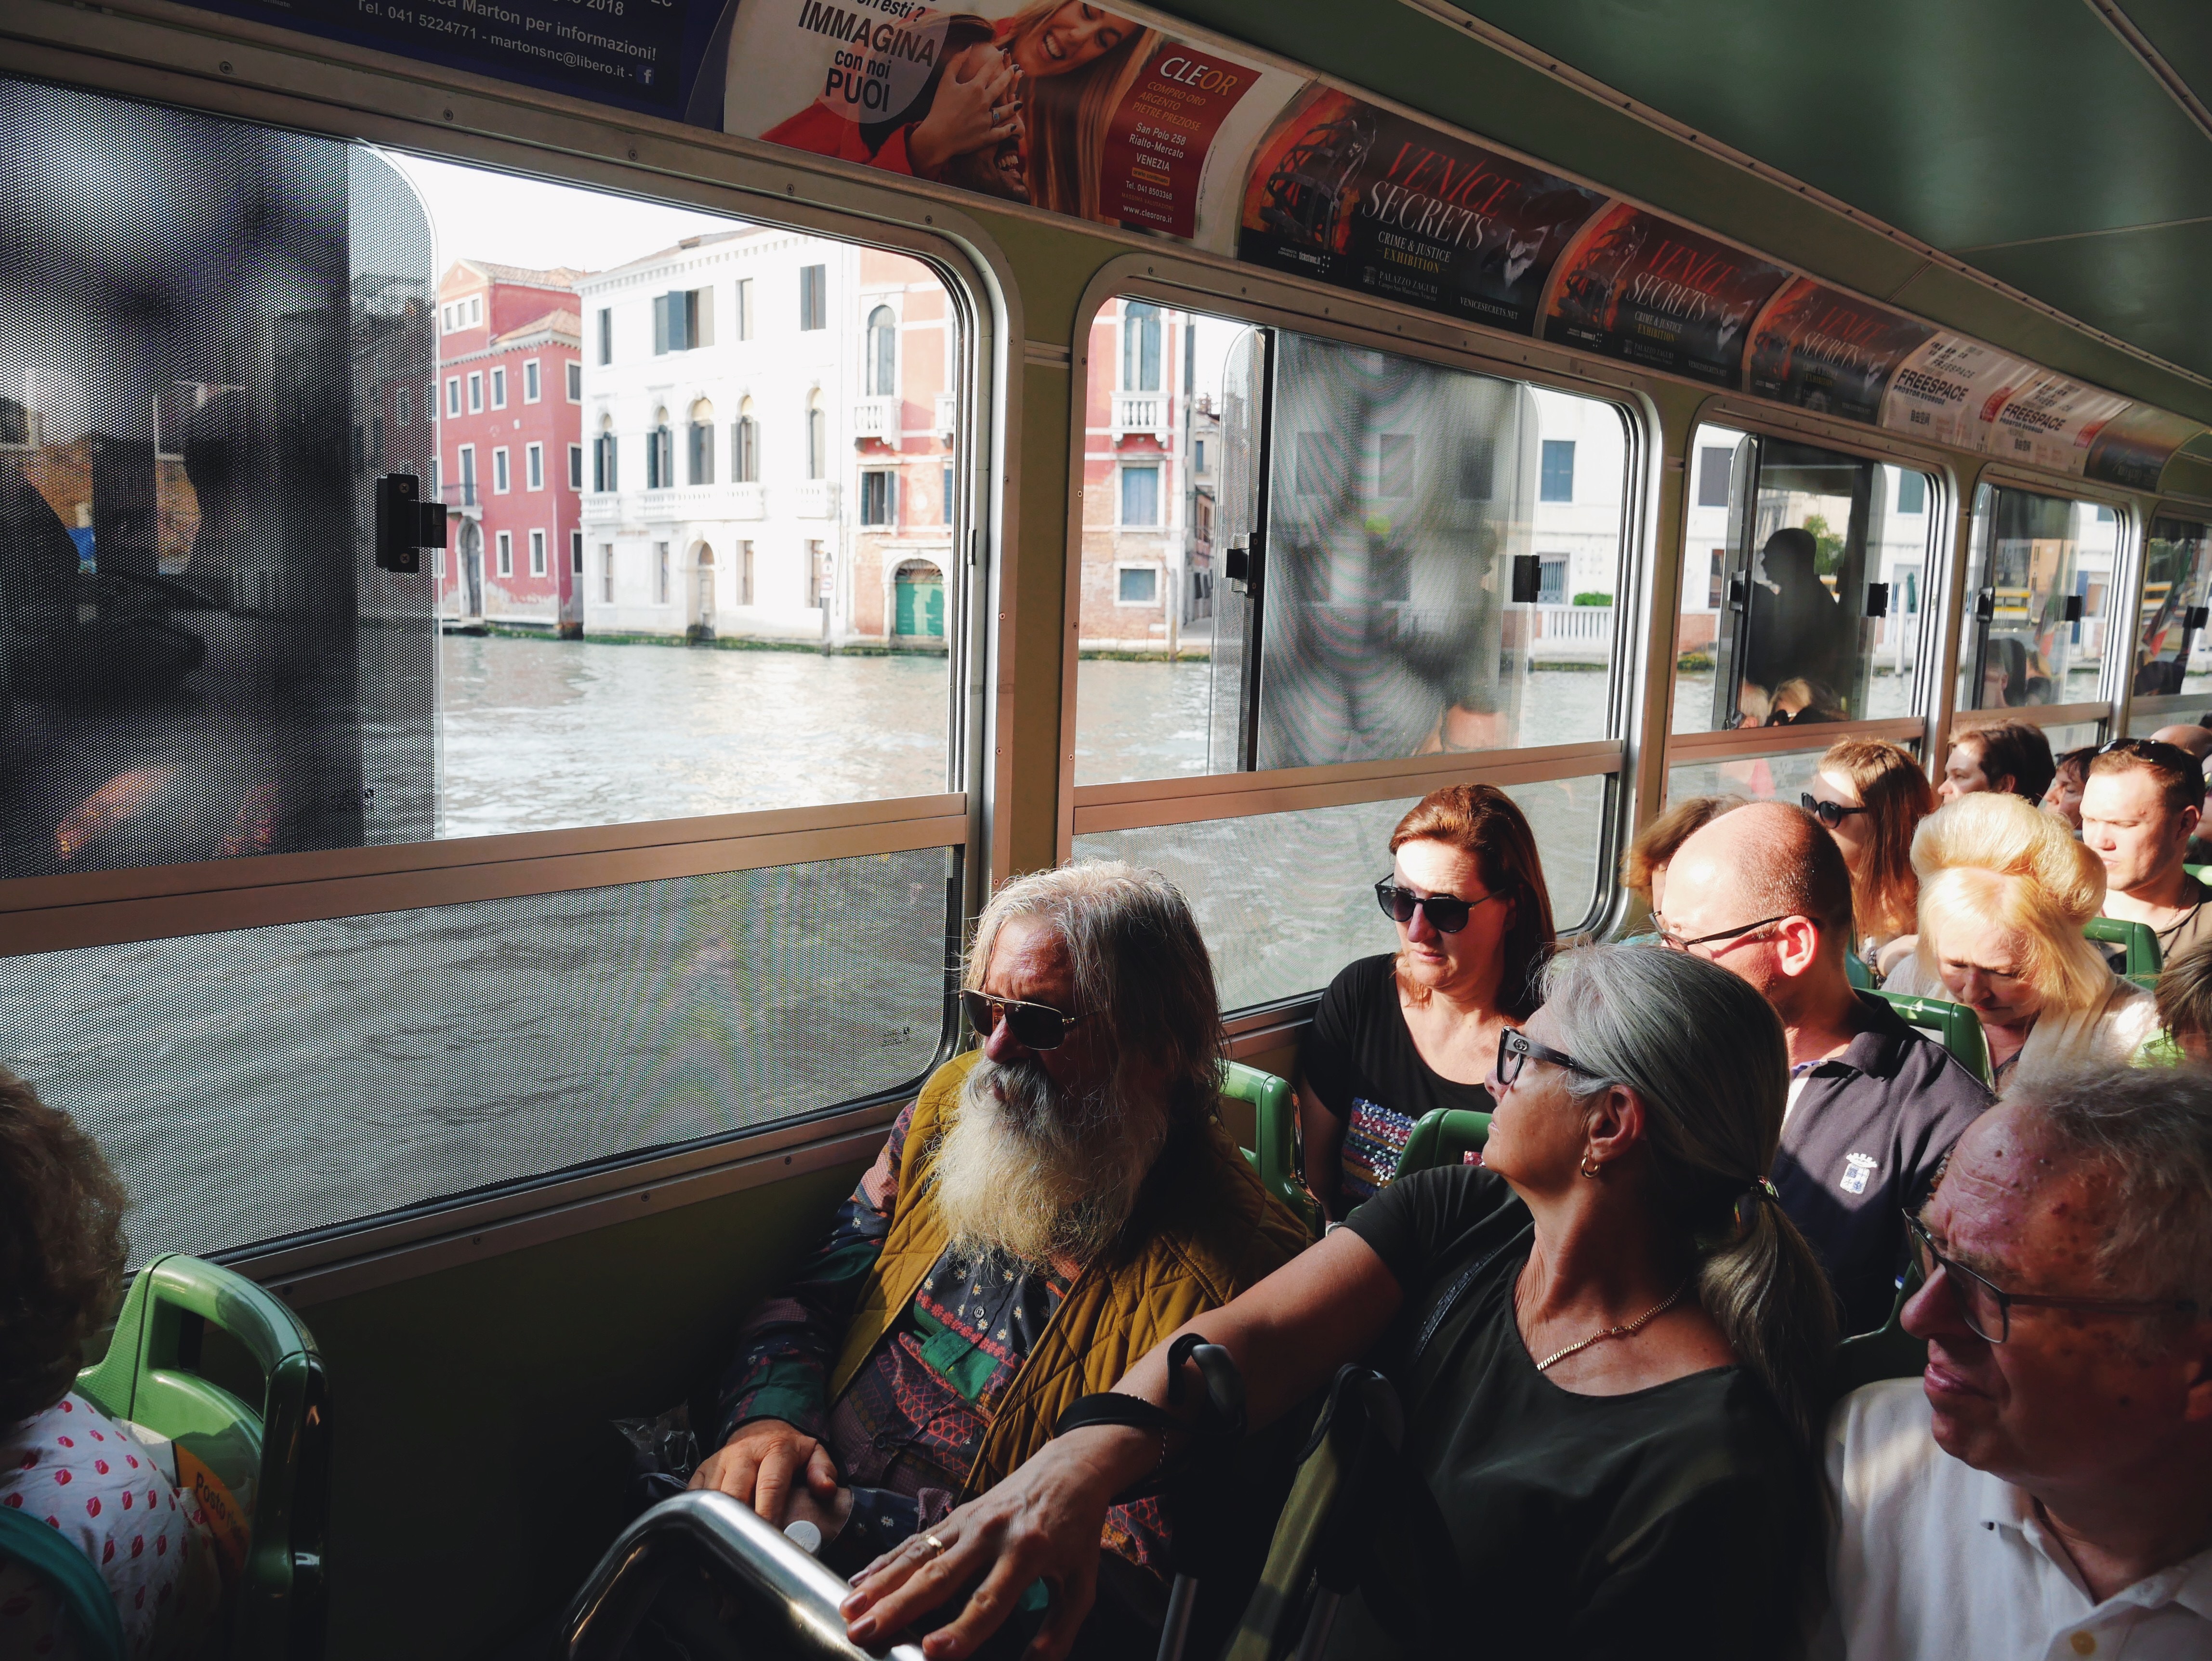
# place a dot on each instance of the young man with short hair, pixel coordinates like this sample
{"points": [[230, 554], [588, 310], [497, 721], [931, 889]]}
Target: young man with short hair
{"points": [[2139, 808]]}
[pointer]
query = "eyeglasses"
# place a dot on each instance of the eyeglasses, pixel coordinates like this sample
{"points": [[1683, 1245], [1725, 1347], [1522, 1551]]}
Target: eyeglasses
{"points": [[1987, 1310], [1675, 943], [1515, 1049], [1447, 913], [1035, 1026], [2165, 755], [1830, 814]]}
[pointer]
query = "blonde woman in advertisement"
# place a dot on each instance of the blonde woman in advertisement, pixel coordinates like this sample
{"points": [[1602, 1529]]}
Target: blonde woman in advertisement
{"points": [[1017, 107]]}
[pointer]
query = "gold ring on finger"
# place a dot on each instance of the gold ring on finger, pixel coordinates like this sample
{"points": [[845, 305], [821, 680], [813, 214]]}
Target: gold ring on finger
{"points": [[936, 1546]]}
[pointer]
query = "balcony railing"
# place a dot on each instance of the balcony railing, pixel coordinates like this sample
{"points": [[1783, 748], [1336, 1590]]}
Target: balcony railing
{"points": [[748, 502], [814, 498], [948, 413], [1140, 412], [602, 508], [877, 418], [1571, 633], [459, 493]]}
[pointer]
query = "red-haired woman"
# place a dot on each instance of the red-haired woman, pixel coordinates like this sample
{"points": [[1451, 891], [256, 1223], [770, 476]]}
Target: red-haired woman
{"points": [[1401, 1034]]}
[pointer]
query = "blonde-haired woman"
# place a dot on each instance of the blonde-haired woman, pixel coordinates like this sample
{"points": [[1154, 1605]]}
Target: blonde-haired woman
{"points": [[2004, 892]]}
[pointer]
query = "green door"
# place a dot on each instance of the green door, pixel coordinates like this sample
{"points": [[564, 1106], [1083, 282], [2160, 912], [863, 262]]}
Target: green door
{"points": [[918, 607]]}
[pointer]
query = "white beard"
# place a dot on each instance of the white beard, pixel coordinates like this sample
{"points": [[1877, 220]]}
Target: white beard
{"points": [[1036, 1175]]}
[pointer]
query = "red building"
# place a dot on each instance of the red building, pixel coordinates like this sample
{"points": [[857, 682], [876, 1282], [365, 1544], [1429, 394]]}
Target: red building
{"points": [[510, 445]]}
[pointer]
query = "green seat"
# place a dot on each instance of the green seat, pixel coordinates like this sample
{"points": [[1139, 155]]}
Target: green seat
{"points": [[1888, 1352], [1958, 1026], [1275, 1129], [273, 1457], [2141, 943], [1856, 972], [1445, 1136], [2201, 873], [70, 1575]]}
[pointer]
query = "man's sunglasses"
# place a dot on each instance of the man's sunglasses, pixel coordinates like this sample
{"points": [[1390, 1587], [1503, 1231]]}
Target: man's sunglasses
{"points": [[1830, 814], [1447, 913], [1988, 1310], [1035, 1026]]}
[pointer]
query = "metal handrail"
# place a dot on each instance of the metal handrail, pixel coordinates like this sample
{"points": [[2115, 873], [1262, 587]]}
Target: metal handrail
{"points": [[788, 1596]]}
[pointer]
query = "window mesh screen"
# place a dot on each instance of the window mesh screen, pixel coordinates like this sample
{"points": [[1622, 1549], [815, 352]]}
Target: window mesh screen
{"points": [[261, 1082], [206, 331]]}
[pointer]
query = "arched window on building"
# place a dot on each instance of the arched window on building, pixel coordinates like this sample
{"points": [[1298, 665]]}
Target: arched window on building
{"points": [[744, 447], [700, 443], [1141, 347], [603, 456], [660, 454], [817, 438], [882, 353]]}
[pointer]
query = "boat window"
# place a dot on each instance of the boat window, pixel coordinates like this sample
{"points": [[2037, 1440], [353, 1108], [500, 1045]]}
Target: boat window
{"points": [[232, 631], [1381, 564], [2172, 675], [2039, 591], [1802, 576]]}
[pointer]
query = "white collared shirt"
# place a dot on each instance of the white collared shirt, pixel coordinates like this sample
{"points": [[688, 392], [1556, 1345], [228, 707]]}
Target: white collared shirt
{"points": [[1933, 1560]]}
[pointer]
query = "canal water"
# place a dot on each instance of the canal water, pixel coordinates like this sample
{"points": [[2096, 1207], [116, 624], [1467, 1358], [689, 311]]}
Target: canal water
{"points": [[256, 1082]]}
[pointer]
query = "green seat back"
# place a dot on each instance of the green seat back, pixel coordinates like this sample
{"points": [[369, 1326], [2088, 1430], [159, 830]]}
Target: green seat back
{"points": [[274, 1458], [1275, 1129], [2201, 873], [1888, 1352], [78, 1586], [1958, 1026], [1444, 1136], [2141, 943], [1856, 972]]}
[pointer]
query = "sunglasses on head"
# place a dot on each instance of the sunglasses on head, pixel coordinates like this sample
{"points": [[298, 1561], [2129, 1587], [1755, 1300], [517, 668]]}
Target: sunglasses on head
{"points": [[1035, 1026], [1830, 814], [1447, 913]]}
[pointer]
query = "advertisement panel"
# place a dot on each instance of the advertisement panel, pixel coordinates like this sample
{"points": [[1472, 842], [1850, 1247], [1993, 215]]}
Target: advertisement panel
{"points": [[1831, 352], [1065, 107], [2051, 422], [1366, 199], [637, 54], [2132, 449], [1951, 389], [1638, 287]]}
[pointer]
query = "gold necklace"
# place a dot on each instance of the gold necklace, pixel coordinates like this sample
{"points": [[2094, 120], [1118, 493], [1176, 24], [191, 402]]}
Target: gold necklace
{"points": [[1627, 1331]]}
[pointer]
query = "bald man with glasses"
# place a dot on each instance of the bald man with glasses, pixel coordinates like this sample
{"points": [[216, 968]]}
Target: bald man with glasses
{"points": [[1874, 1103]]}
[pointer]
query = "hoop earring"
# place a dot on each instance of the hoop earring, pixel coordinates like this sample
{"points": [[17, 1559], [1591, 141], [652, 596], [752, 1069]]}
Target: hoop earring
{"points": [[1590, 1167]]}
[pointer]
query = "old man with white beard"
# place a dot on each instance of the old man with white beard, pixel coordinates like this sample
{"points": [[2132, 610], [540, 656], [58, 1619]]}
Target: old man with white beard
{"points": [[1052, 1206]]}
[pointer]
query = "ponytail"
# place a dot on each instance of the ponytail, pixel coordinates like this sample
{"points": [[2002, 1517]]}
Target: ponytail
{"points": [[1768, 1294], [1705, 1052]]}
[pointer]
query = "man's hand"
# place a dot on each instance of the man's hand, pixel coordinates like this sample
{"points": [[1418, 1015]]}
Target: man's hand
{"points": [[761, 1463]]}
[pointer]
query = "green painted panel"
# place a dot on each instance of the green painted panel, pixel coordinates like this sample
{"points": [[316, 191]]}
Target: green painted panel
{"points": [[2148, 287], [1962, 121], [474, 1481], [2181, 30]]}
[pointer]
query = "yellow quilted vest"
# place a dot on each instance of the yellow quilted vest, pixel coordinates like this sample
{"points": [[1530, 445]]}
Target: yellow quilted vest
{"points": [[1204, 1231]]}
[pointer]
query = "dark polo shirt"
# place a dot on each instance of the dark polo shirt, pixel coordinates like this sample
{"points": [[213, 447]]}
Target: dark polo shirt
{"points": [[1869, 1129]]}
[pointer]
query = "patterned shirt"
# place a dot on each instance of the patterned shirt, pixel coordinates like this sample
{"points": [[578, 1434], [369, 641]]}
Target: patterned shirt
{"points": [[907, 1429]]}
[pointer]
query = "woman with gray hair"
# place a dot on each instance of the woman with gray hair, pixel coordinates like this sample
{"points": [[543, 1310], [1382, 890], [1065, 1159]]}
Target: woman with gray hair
{"points": [[1609, 1342]]}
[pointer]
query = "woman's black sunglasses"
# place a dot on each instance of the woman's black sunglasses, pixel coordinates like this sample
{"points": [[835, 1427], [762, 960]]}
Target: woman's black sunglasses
{"points": [[1447, 913], [1035, 1026], [1830, 814]]}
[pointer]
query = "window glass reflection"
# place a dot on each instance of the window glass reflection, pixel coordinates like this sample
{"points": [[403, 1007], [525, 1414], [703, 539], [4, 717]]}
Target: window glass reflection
{"points": [[2037, 583]]}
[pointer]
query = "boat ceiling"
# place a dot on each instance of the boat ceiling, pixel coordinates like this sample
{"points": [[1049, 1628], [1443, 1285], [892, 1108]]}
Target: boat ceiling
{"points": [[2061, 148]]}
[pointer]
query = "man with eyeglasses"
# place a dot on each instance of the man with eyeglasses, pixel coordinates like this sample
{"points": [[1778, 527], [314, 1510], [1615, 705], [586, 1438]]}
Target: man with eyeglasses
{"points": [[1053, 1204], [2044, 1488], [1874, 1103], [2139, 807]]}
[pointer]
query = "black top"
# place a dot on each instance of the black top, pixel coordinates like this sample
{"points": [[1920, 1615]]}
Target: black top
{"points": [[1672, 1520], [1865, 1139], [1360, 1049]]}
